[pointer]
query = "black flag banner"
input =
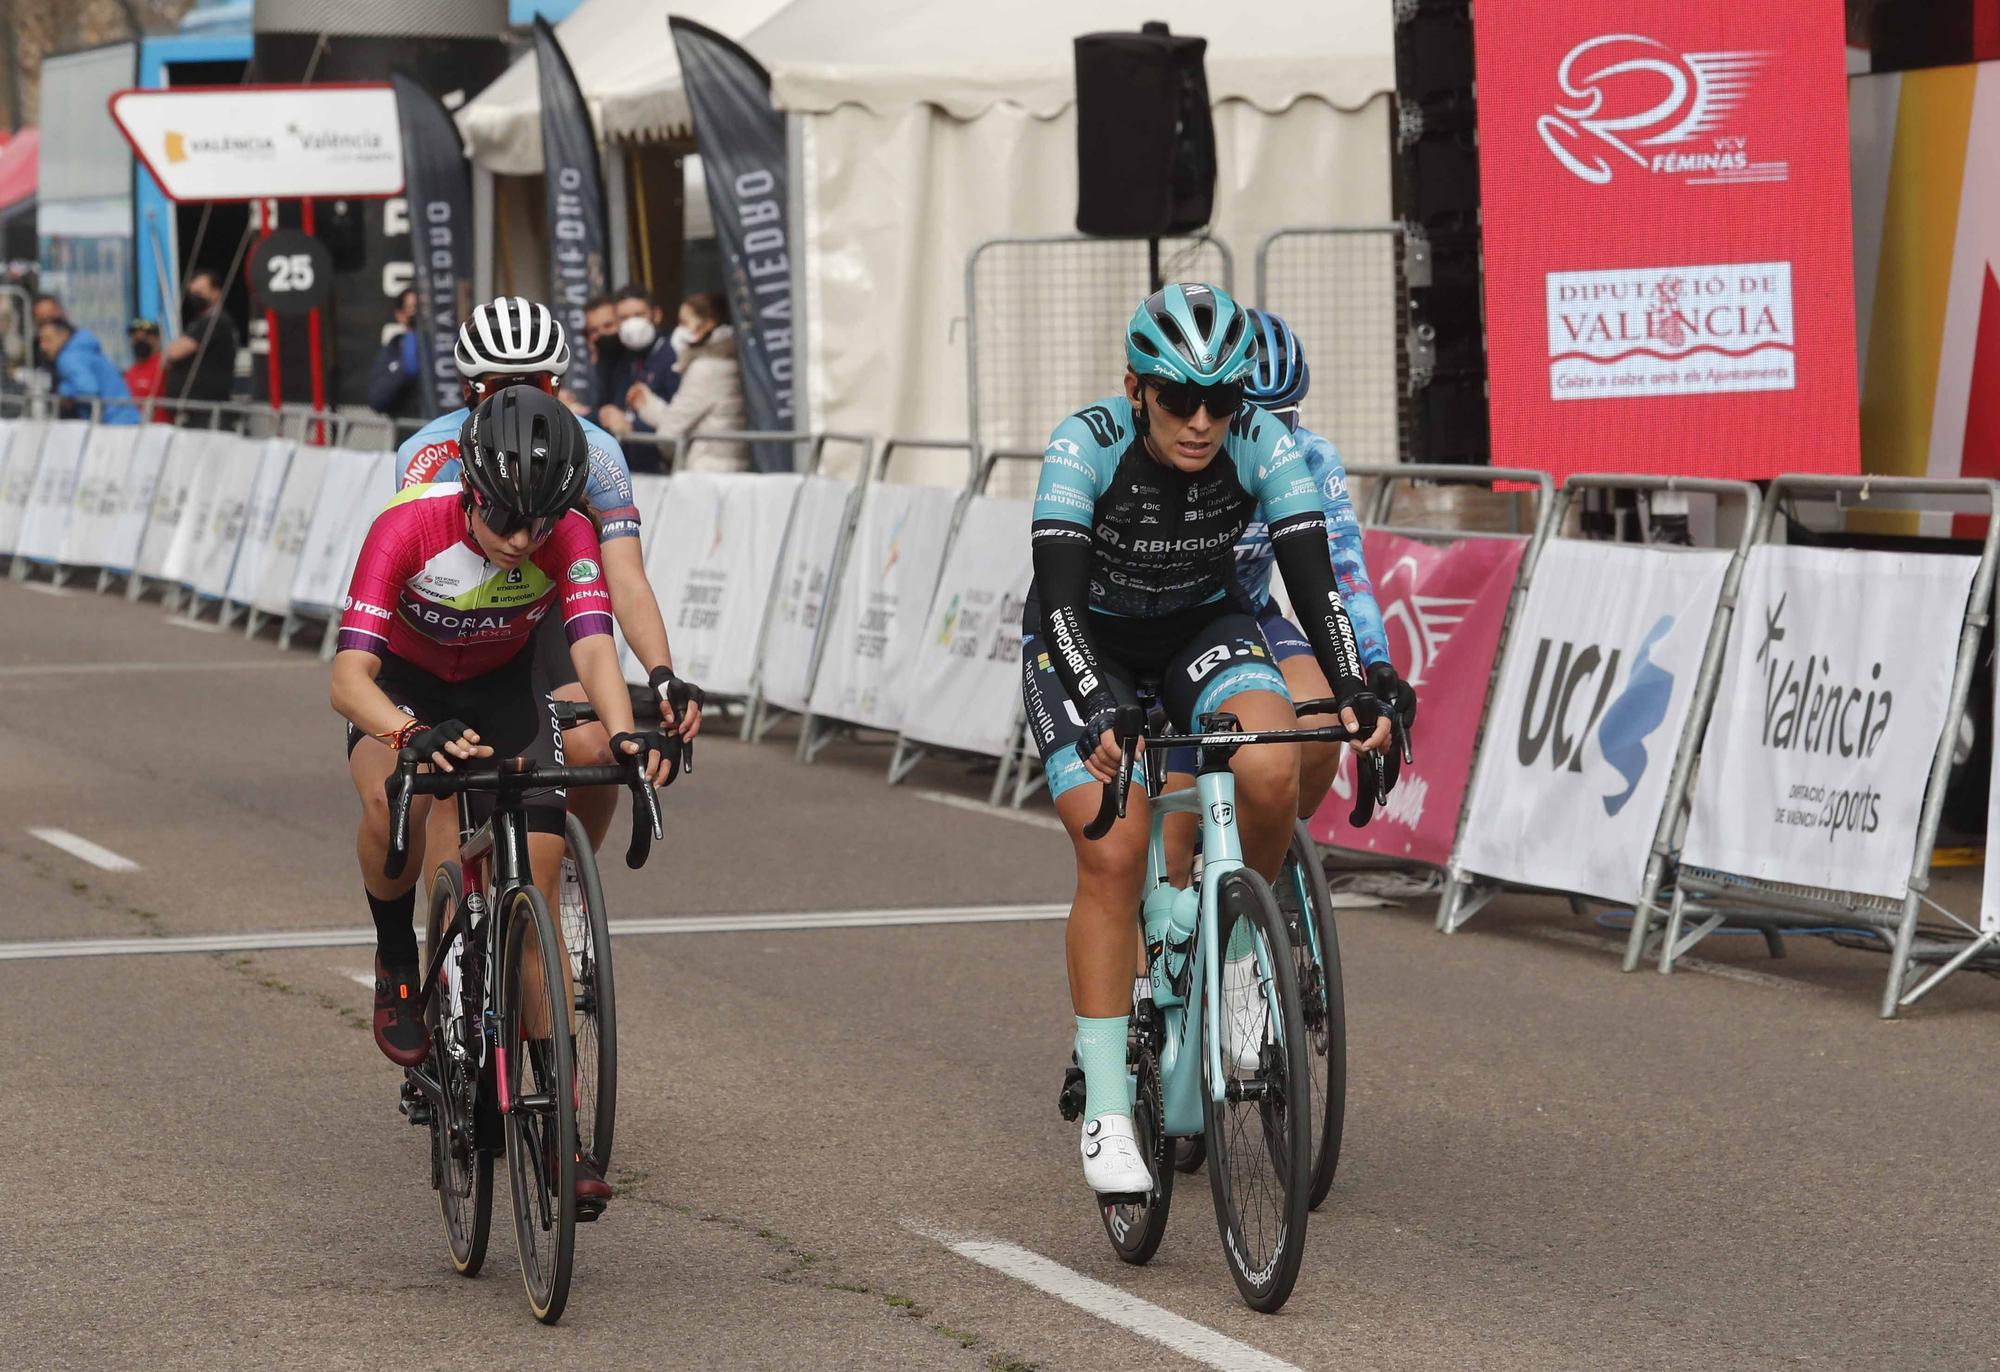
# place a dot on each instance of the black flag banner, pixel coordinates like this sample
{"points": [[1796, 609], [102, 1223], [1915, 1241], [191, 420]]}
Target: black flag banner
{"points": [[440, 195], [574, 187], [742, 140]]}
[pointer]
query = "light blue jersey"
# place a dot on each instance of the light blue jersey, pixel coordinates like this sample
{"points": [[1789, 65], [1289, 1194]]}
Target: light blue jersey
{"points": [[431, 454]]}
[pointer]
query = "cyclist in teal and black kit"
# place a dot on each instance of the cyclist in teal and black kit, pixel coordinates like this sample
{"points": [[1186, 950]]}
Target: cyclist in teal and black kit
{"points": [[1141, 501]]}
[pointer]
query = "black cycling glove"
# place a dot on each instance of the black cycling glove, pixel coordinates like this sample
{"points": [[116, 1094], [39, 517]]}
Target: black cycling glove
{"points": [[667, 746], [674, 691], [433, 739]]}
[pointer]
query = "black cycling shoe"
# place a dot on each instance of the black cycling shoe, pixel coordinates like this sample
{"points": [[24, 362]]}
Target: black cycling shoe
{"points": [[399, 1017]]}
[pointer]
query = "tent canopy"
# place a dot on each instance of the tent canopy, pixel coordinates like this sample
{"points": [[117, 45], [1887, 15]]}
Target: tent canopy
{"points": [[624, 59], [884, 54]]}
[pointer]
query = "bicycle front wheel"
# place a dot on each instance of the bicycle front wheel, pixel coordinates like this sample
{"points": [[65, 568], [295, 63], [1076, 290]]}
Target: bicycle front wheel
{"points": [[537, 1100], [1136, 1229], [1259, 1133], [1307, 905], [587, 937], [461, 1171]]}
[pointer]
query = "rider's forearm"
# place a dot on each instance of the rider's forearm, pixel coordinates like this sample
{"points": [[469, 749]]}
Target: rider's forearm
{"points": [[1350, 575], [359, 700], [1299, 542], [1062, 583], [596, 660], [634, 604]]}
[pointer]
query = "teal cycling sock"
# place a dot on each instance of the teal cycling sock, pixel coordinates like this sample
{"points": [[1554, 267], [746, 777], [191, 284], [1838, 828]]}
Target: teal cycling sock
{"points": [[1100, 1052]]}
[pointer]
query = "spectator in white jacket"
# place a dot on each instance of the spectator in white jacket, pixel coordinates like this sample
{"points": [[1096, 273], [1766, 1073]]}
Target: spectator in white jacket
{"points": [[710, 398]]}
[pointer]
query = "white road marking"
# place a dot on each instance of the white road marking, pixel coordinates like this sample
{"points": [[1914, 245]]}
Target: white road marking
{"points": [[980, 807], [147, 668], [198, 625], [1195, 1341], [271, 940], [43, 588], [1578, 938], [94, 854], [362, 979]]}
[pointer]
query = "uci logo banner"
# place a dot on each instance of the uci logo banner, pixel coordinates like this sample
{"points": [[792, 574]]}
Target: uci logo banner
{"points": [[1588, 714]]}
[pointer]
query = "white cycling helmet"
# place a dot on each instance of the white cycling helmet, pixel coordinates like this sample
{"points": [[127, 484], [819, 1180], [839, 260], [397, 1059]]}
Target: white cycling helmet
{"points": [[511, 336]]}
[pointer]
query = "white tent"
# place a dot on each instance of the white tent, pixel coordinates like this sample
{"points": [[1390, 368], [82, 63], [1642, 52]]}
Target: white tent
{"points": [[922, 130], [624, 60]]}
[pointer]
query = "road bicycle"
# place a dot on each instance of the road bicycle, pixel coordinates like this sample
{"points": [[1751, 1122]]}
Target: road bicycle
{"points": [[1307, 905], [582, 915], [500, 1075], [1218, 1045]]}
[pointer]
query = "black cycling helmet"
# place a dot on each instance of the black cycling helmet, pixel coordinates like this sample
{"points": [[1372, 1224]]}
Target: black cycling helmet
{"points": [[523, 459]]}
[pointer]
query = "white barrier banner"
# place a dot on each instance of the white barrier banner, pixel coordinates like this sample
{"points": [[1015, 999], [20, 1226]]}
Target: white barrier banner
{"points": [[170, 498], [99, 483], [18, 461], [885, 593], [290, 519], [1832, 702], [126, 530], [964, 690], [53, 499], [206, 453], [350, 498], [217, 542], [1587, 716], [1989, 893], [260, 512], [712, 567], [819, 518]]}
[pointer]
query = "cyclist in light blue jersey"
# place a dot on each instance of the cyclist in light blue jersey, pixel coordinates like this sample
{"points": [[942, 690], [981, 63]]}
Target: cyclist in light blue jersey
{"points": [[512, 341], [1278, 385]]}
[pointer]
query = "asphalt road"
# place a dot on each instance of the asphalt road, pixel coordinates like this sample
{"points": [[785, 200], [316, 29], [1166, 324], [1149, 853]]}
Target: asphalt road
{"points": [[1548, 1164]]}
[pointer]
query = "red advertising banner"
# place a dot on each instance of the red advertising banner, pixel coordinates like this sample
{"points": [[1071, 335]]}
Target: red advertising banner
{"points": [[1668, 243], [1443, 607]]}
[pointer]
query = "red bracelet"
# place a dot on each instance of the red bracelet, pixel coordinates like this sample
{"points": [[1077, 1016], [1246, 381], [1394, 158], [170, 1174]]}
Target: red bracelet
{"points": [[399, 739]]}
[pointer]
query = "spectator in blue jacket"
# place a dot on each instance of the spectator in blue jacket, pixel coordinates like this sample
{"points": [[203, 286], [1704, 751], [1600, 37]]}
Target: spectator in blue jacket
{"points": [[83, 373]]}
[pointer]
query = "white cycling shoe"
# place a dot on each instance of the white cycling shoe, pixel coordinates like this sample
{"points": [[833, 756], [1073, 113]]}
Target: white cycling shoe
{"points": [[1246, 1012], [1112, 1163]]}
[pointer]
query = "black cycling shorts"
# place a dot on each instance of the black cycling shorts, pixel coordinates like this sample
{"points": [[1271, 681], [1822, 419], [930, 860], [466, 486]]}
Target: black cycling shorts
{"points": [[507, 708], [1191, 662]]}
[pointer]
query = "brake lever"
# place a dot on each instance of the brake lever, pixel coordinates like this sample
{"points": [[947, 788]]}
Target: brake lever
{"points": [[396, 790], [645, 817]]}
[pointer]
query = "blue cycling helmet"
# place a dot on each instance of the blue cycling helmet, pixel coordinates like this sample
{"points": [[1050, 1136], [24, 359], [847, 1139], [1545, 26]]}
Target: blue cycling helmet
{"points": [[1191, 333], [1282, 377]]}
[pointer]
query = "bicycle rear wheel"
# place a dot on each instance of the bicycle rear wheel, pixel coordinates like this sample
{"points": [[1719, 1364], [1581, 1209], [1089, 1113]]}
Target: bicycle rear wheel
{"points": [[461, 1171], [1259, 1134], [1135, 1230], [587, 937], [537, 1100], [1307, 905]]}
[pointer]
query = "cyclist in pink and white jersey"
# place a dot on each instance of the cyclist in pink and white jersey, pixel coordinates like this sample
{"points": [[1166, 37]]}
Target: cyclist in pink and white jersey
{"points": [[434, 653]]}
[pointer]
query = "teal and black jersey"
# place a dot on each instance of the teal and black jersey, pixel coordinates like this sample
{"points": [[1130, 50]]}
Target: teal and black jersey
{"points": [[1164, 540], [1118, 532]]}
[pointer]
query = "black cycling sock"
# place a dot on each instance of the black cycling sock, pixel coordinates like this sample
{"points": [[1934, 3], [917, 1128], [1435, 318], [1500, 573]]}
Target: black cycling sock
{"points": [[395, 939]]}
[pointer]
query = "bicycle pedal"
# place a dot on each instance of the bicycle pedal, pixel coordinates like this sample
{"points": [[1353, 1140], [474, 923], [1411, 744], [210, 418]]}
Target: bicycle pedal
{"points": [[1108, 1199], [1070, 1101], [587, 1211], [414, 1104]]}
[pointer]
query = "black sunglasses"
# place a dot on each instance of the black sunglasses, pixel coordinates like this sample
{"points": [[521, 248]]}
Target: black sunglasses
{"points": [[1181, 399], [507, 523]]}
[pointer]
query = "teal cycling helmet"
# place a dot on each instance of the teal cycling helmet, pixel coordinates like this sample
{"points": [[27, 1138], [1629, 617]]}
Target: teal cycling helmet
{"points": [[1191, 333]]}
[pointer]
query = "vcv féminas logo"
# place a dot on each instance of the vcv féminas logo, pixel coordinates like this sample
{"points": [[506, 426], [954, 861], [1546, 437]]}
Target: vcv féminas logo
{"points": [[1581, 681], [1628, 99]]}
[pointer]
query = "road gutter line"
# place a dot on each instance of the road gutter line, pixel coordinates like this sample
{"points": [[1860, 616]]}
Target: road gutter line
{"points": [[1576, 938], [94, 854], [1194, 1341], [980, 807], [277, 939]]}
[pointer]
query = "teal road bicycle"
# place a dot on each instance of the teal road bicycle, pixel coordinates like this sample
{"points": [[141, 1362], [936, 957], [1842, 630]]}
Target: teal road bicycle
{"points": [[1220, 1046]]}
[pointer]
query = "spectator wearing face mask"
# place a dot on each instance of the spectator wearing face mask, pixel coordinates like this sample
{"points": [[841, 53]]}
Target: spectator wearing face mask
{"points": [[144, 376], [638, 355], [201, 363], [709, 398]]}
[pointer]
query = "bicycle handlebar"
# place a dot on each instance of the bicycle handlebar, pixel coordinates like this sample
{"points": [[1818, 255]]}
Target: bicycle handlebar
{"points": [[514, 775], [569, 714]]}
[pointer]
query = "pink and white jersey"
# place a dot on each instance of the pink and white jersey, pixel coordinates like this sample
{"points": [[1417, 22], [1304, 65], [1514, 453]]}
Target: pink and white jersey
{"points": [[423, 591]]}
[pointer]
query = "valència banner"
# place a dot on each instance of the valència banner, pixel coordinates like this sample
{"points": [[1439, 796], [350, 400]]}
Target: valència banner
{"points": [[52, 499], [712, 564], [257, 142], [1600, 671], [964, 690], [1831, 705], [100, 494], [573, 188], [884, 594], [805, 575], [1443, 608]]}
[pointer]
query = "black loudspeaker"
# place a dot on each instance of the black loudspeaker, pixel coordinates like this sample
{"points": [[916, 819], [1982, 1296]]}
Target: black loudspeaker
{"points": [[1145, 141]]}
